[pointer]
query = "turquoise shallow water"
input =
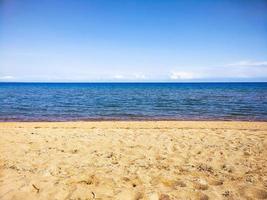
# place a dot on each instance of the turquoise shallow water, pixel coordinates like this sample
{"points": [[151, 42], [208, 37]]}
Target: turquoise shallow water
{"points": [[133, 101]]}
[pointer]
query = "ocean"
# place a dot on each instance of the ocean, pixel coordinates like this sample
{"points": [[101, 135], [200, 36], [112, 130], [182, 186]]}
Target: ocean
{"points": [[133, 101]]}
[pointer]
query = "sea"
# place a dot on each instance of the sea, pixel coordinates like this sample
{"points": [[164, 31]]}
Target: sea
{"points": [[133, 101]]}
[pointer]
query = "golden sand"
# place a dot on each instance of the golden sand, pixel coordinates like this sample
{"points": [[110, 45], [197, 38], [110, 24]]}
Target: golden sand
{"points": [[133, 160]]}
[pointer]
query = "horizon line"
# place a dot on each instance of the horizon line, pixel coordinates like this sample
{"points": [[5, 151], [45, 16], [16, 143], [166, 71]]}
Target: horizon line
{"points": [[133, 82]]}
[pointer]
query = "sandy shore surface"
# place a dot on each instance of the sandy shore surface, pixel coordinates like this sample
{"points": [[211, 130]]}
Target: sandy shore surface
{"points": [[133, 160]]}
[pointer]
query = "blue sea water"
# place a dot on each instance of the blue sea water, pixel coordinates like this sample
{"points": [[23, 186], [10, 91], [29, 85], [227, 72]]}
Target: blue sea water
{"points": [[133, 101]]}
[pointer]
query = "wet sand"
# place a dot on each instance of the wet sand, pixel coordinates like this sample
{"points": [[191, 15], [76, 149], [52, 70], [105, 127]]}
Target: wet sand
{"points": [[133, 160]]}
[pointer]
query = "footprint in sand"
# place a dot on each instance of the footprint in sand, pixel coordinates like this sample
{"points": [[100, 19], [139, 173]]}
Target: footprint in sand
{"points": [[201, 196], [167, 182], [201, 185], [127, 194], [164, 197], [253, 192], [215, 182], [180, 183]]}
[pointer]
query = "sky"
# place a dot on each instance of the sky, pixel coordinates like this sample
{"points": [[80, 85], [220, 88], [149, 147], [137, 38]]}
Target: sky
{"points": [[133, 41]]}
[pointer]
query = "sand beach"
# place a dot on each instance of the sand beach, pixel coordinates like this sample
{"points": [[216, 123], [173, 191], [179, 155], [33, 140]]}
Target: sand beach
{"points": [[129, 160]]}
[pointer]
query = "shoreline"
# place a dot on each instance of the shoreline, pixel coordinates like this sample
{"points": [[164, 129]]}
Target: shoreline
{"points": [[136, 160], [131, 120], [171, 124]]}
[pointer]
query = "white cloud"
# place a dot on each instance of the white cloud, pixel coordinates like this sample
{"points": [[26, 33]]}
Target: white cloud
{"points": [[135, 76], [182, 75], [6, 77], [247, 63], [140, 76], [118, 76]]}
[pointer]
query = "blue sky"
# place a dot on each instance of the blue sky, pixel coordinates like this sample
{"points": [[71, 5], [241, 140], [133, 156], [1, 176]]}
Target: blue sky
{"points": [[143, 40]]}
